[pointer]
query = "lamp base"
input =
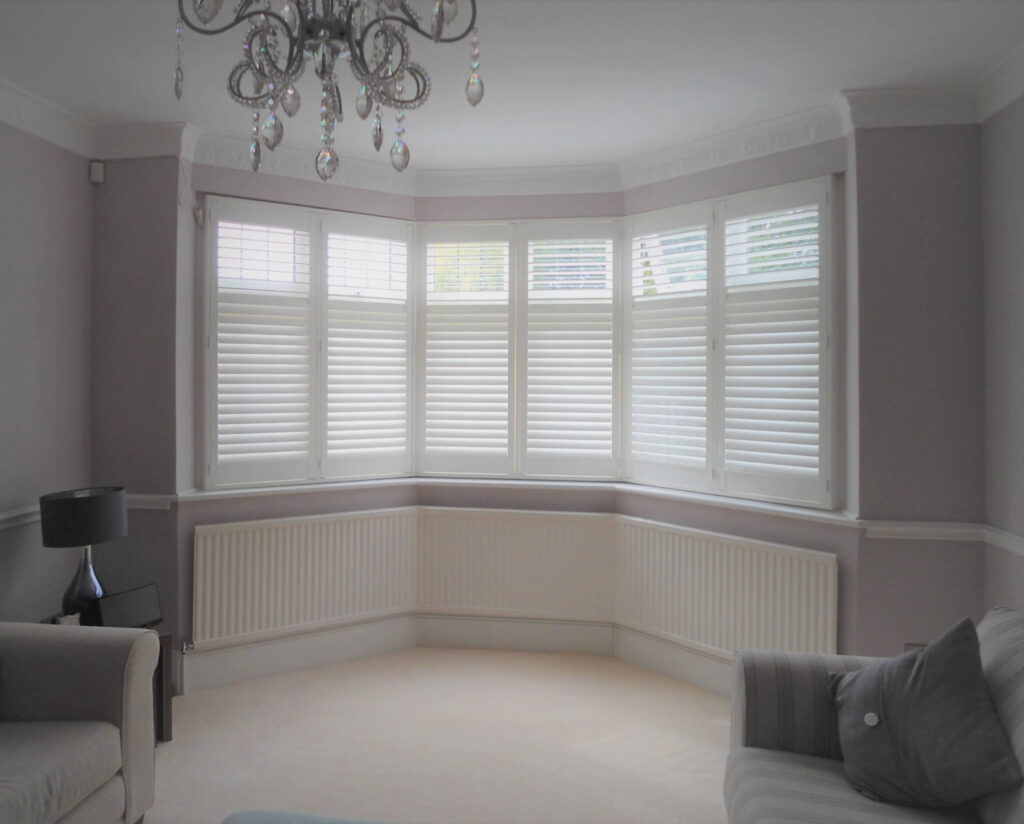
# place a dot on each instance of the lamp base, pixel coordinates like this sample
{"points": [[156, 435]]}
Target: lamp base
{"points": [[83, 591]]}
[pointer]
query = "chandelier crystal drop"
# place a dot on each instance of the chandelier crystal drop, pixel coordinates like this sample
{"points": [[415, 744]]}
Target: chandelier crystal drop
{"points": [[372, 36]]}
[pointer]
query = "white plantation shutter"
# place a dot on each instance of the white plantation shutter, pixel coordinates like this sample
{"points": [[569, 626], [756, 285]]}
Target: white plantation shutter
{"points": [[773, 352], [262, 353], [367, 363], [668, 365], [466, 355], [507, 353], [569, 358]]}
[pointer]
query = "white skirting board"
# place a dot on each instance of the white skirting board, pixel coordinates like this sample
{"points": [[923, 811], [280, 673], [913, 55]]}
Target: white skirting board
{"points": [[229, 665], [710, 672], [539, 635]]}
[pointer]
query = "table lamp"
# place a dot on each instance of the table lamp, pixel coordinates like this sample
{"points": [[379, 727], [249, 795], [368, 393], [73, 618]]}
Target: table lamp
{"points": [[83, 517]]}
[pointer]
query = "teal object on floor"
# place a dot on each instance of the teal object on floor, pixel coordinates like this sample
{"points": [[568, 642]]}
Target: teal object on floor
{"points": [[268, 817]]}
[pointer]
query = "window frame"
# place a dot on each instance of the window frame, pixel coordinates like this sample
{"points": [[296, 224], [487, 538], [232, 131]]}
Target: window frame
{"points": [[317, 222], [518, 234]]}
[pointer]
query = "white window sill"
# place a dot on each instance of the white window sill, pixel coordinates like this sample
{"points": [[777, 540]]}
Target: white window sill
{"points": [[617, 488]]}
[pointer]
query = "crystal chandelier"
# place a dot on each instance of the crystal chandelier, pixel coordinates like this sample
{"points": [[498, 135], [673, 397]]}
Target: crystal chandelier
{"points": [[372, 35]]}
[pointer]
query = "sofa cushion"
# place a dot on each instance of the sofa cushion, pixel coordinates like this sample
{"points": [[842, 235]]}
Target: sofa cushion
{"points": [[775, 787], [268, 817], [920, 729], [105, 806], [1002, 660], [47, 767]]}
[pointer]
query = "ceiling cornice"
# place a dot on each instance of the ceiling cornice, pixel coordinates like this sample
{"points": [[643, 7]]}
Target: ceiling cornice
{"points": [[1002, 85], [773, 136], [233, 153], [523, 181], [853, 108], [42, 119], [888, 108], [148, 140]]}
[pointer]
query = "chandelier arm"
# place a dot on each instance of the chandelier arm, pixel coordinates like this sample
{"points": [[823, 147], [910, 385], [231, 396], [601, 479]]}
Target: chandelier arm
{"points": [[400, 44], [409, 22], [296, 41]]}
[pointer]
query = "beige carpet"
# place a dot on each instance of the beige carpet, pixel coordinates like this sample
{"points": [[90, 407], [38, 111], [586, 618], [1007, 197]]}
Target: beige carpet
{"points": [[454, 736]]}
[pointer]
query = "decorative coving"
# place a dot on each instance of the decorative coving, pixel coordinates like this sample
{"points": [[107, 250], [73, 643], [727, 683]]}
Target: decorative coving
{"points": [[886, 108], [233, 153], [855, 108], [1002, 85], [774, 136], [40, 118], [148, 140]]}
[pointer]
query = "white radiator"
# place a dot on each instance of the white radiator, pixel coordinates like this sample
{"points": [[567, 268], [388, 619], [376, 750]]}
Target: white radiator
{"points": [[722, 593], [516, 564], [714, 593], [265, 579]]}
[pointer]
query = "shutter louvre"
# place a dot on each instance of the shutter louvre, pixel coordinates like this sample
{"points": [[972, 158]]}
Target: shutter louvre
{"points": [[570, 358], [669, 357], [466, 358], [773, 349], [367, 343], [263, 362]]}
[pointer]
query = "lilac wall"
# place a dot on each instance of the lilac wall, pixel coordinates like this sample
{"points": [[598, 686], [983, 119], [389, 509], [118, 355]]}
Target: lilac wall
{"points": [[45, 263], [1002, 139], [134, 333], [139, 338], [920, 351]]}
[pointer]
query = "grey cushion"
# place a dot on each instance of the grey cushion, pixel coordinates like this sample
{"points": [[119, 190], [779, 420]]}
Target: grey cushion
{"points": [[106, 804], [1002, 659], [921, 728], [48, 767], [774, 787]]}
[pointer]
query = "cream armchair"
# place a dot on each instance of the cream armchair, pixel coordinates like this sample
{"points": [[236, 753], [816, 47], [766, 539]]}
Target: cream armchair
{"points": [[76, 724]]}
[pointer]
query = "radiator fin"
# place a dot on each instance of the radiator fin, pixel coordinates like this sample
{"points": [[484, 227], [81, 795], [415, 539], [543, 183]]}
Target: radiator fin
{"points": [[723, 592], [261, 579], [713, 592]]}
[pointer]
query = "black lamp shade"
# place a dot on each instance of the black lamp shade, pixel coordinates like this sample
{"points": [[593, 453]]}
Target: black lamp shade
{"points": [[83, 517]]}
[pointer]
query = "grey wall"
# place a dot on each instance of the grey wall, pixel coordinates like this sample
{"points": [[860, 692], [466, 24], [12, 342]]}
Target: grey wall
{"points": [[914, 359], [920, 321], [133, 344], [45, 263], [139, 394], [1002, 152]]}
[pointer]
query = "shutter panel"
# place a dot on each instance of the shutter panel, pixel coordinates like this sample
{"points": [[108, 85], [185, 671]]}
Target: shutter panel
{"points": [[367, 342], [262, 354], [466, 358], [569, 358], [669, 358], [773, 354]]}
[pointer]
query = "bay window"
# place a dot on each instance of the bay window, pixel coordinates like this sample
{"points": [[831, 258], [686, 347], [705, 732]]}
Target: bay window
{"points": [[686, 348]]}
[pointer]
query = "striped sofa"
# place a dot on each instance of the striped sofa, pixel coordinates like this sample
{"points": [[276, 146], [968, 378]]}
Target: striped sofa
{"points": [[785, 764]]}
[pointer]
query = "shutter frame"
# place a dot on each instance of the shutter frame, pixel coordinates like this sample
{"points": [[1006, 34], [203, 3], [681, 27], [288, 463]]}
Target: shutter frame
{"points": [[367, 339], [569, 355], [669, 362], [466, 343], [248, 239], [792, 317]]}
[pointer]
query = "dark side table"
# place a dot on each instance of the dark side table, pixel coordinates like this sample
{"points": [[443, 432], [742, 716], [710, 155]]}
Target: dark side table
{"points": [[162, 689]]}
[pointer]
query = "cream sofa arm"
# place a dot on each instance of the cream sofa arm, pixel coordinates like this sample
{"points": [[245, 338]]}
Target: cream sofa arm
{"points": [[66, 673], [781, 701]]}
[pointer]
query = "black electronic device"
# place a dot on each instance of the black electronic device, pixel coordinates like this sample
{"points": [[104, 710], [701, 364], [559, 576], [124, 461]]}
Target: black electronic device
{"points": [[139, 607]]}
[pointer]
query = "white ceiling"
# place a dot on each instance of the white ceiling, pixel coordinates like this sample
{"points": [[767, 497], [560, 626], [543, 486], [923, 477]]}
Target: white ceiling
{"points": [[568, 82]]}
